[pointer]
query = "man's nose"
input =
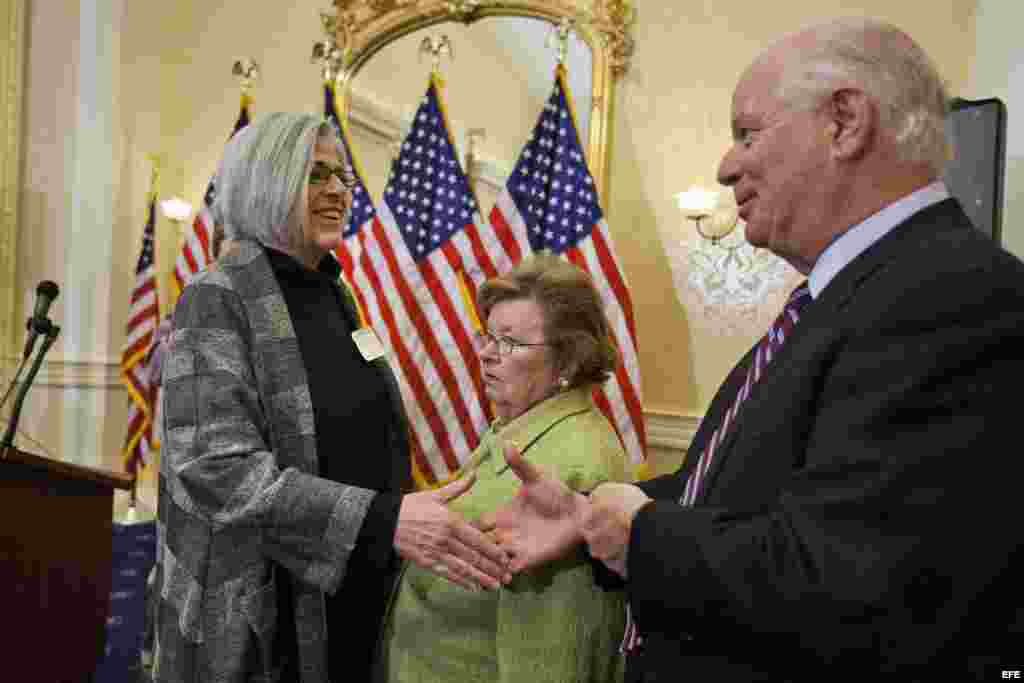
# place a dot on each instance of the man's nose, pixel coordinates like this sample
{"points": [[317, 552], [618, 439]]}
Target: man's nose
{"points": [[729, 168]]}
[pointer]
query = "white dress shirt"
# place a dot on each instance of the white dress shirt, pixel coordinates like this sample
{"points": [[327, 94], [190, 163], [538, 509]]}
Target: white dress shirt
{"points": [[857, 239]]}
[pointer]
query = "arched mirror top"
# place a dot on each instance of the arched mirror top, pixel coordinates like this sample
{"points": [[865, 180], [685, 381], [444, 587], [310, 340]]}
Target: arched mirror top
{"points": [[363, 28]]}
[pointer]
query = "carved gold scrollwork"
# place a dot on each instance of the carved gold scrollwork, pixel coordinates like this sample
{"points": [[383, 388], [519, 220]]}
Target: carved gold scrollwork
{"points": [[462, 10], [388, 5], [613, 19], [365, 26]]}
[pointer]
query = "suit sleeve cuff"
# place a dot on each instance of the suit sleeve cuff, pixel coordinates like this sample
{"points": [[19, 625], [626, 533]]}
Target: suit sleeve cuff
{"points": [[663, 551]]}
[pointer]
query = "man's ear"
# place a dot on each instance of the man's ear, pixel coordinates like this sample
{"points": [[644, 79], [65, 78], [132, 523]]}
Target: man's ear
{"points": [[852, 123]]}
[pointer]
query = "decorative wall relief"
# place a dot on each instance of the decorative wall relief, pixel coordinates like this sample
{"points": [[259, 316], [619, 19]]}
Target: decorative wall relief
{"points": [[729, 286]]}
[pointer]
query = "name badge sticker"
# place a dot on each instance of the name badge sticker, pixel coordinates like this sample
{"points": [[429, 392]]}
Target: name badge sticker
{"points": [[368, 344]]}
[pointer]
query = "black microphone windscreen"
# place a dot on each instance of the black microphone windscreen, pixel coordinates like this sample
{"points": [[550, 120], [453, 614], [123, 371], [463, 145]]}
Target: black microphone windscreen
{"points": [[49, 289], [46, 292]]}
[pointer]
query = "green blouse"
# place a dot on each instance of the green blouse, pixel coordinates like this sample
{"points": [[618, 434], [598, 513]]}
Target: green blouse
{"points": [[550, 625]]}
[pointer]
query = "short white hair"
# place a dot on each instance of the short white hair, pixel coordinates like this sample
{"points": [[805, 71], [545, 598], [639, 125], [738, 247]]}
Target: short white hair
{"points": [[263, 175], [891, 68]]}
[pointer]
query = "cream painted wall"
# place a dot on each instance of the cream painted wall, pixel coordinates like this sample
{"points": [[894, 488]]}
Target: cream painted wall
{"points": [[672, 128], [998, 71], [176, 96], [71, 201]]}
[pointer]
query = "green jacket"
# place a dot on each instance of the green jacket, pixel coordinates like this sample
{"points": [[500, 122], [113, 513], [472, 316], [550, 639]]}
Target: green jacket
{"points": [[551, 625]]}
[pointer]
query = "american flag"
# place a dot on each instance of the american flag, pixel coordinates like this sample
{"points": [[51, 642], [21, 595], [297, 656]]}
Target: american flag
{"points": [[418, 261], [361, 216], [195, 251], [550, 202], [143, 317]]}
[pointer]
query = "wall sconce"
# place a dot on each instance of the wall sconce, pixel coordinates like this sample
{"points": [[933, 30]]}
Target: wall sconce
{"points": [[176, 210], [713, 222], [717, 272]]}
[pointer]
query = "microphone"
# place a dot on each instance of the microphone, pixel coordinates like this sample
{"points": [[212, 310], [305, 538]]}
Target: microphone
{"points": [[12, 423], [38, 324]]}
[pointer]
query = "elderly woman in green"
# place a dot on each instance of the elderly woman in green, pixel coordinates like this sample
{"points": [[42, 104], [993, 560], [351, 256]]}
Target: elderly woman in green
{"points": [[545, 345]]}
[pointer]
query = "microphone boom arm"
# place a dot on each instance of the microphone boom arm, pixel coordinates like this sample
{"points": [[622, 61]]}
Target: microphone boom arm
{"points": [[19, 399]]}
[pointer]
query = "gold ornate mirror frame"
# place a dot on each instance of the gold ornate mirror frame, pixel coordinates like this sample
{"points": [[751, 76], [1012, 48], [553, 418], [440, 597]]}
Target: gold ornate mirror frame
{"points": [[363, 27]]}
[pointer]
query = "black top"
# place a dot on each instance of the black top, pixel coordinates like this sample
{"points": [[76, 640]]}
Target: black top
{"points": [[353, 415]]}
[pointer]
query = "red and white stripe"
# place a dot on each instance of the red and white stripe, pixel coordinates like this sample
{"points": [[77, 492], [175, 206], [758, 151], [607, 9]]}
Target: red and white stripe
{"points": [[143, 318], [195, 252], [419, 308]]}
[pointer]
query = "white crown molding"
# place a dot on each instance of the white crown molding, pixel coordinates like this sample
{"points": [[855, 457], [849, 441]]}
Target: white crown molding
{"points": [[80, 374], [373, 116], [65, 373], [383, 121], [670, 430]]}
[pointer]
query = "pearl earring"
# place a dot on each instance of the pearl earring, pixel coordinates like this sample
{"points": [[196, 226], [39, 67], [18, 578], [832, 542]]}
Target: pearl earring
{"points": [[563, 383]]}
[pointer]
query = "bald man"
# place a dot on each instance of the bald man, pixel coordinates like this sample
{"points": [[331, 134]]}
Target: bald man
{"points": [[848, 508]]}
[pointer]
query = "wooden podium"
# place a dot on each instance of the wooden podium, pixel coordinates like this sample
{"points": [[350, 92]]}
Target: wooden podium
{"points": [[55, 566]]}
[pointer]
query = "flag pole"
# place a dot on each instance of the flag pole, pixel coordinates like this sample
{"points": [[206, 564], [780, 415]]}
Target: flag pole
{"points": [[132, 514], [472, 135]]}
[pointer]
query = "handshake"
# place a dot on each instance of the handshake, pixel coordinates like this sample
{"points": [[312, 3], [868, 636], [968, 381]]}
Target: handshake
{"points": [[544, 521]]}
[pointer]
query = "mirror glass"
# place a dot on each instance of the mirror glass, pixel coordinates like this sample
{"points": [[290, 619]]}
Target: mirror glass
{"points": [[497, 80]]}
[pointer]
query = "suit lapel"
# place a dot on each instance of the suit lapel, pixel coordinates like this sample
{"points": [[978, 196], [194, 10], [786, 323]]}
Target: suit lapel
{"points": [[902, 242], [809, 318], [720, 404]]}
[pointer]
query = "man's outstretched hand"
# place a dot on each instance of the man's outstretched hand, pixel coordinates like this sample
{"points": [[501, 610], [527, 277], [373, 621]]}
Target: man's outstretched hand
{"points": [[541, 523], [609, 521]]}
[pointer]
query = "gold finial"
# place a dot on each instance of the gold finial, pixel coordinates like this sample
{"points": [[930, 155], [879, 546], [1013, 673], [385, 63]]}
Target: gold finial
{"points": [[327, 52], [462, 10], [442, 46], [248, 71], [559, 38]]}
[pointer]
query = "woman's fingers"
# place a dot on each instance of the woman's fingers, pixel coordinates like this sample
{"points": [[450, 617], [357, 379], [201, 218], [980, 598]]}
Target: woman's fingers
{"points": [[453, 490], [460, 575], [434, 537], [481, 552]]}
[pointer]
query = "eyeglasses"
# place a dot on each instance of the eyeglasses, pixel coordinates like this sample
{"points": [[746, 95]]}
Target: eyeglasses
{"points": [[322, 171], [506, 345]]}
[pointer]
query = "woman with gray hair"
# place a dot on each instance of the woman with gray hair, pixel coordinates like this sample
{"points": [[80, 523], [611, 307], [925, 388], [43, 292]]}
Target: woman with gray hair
{"points": [[283, 507]]}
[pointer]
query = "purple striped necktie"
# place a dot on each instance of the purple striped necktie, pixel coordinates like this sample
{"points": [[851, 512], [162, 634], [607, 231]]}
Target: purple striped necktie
{"points": [[767, 349]]}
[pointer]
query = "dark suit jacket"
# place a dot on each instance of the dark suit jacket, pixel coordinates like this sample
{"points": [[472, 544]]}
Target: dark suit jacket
{"points": [[863, 514]]}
